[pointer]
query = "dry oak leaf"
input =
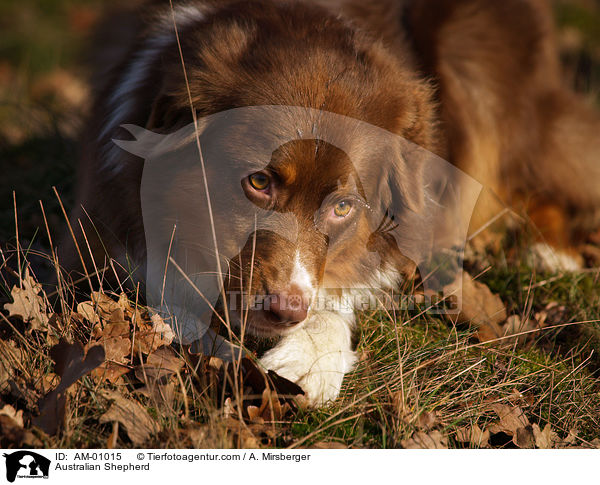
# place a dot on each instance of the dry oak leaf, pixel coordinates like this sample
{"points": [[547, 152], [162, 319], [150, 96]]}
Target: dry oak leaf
{"points": [[132, 416], [104, 305], [524, 329], [110, 371], [511, 418], [16, 416], [544, 438], [156, 373], [28, 304], [116, 341], [479, 306], [434, 440], [10, 358], [114, 338], [160, 327], [270, 409], [87, 310], [474, 436], [162, 363], [513, 422], [147, 339], [253, 435], [427, 420]]}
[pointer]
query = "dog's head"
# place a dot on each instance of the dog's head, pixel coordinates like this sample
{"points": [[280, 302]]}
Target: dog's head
{"points": [[301, 193]]}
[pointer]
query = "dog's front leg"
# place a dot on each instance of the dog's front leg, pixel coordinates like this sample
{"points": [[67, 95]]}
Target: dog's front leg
{"points": [[316, 356]]}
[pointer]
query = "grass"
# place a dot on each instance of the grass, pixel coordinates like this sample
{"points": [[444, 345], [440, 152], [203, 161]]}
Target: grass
{"points": [[415, 374], [411, 367]]}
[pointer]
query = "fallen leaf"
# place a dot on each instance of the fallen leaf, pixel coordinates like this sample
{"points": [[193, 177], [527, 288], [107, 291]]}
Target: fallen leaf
{"points": [[147, 340], [12, 434], [28, 304], [155, 373], [524, 438], [328, 445], [132, 415], [110, 371], [10, 357], [104, 305], [474, 436], [114, 338], [427, 420], [271, 408], [16, 416], [515, 325], [161, 328], [478, 306], [70, 364], [161, 363], [434, 440], [544, 439], [514, 423], [511, 418], [88, 311], [249, 435]]}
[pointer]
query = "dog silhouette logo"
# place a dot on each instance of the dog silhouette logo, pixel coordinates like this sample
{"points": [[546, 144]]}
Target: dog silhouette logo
{"points": [[26, 464]]}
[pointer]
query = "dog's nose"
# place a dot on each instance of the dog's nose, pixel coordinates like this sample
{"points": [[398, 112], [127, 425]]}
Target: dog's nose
{"points": [[290, 306]]}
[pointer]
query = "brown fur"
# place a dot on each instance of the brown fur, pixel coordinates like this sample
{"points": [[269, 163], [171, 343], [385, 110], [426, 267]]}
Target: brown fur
{"points": [[476, 81]]}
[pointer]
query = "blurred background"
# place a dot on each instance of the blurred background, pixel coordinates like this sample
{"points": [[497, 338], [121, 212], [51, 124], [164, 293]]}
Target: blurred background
{"points": [[44, 97]]}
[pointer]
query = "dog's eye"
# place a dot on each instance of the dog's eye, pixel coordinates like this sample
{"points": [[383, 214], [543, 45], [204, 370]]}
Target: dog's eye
{"points": [[259, 181], [342, 209]]}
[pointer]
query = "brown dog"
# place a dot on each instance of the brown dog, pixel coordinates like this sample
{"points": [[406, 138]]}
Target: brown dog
{"points": [[474, 81]]}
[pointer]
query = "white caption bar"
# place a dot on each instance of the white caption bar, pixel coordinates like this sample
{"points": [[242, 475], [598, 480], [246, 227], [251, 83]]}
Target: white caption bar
{"points": [[308, 467]]}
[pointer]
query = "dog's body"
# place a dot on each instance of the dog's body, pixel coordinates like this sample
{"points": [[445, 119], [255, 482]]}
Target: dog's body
{"points": [[474, 81]]}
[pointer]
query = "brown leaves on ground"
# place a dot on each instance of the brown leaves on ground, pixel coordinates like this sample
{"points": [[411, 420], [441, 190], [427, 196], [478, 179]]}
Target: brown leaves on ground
{"points": [[511, 428], [131, 415], [433, 440], [508, 427], [478, 306], [487, 313], [513, 422], [251, 417], [127, 345], [125, 331], [28, 304], [473, 436]]}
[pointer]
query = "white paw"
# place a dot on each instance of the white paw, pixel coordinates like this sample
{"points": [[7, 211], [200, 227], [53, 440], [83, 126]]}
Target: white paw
{"points": [[320, 377], [546, 258]]}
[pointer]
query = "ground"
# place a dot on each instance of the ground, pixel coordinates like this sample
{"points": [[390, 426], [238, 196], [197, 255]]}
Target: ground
{"points": [[420, 382]]}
